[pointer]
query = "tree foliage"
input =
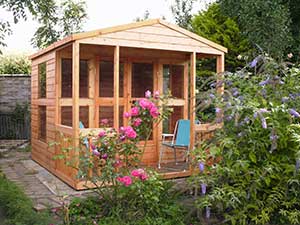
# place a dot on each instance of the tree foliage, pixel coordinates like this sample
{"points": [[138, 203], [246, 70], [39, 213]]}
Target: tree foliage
{"points": [[264, 22], [14, 64], [181, 10], [56, 20], [215, 26]]}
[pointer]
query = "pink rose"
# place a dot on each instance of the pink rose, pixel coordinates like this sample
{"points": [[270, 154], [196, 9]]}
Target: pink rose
{"points": [[102, 133], [154, 112], [144, 103], [129, 132], [127, 114], [126, 180], [148, 94], [156, 94], [137, 122], [135, 173], [134, 111], [143, 176], [104, 121]]}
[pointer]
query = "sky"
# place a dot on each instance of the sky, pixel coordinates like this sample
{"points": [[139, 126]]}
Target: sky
{"points": [[101, 13]]}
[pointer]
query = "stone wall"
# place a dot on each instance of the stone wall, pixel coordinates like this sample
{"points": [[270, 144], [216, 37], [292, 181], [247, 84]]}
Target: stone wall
{"points": [[14, 89]]}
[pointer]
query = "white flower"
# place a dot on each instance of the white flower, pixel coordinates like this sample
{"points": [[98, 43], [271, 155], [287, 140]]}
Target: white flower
{"points": [[239, 57], [290, 55]]}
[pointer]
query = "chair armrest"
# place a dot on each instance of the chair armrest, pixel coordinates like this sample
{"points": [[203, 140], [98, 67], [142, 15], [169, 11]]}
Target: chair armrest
{"points": [[167, 135]]}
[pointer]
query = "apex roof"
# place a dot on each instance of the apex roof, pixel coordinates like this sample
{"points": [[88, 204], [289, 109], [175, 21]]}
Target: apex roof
{"points": [[115, 29]]}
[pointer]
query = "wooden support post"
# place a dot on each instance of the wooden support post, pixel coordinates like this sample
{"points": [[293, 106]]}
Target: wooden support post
{"points": [[116, 86], [97, 91], [92, 75], [159, 87], [220, 67], [75, 91], [186, 90], [192, 99]]}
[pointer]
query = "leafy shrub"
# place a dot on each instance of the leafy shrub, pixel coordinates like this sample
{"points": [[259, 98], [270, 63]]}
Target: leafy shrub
{"points": [[249, 172], [18, 208], [147, 201], [14, 64]]}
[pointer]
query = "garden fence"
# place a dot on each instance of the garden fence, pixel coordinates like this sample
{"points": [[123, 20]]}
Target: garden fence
{"points": [[14, 128]]}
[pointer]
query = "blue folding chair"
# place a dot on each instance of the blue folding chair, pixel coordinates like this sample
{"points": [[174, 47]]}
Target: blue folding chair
{"points": [[85, 140], [180, 139]]}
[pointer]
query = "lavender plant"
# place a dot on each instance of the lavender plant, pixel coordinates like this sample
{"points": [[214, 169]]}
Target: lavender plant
{"points": [[254, 175]]}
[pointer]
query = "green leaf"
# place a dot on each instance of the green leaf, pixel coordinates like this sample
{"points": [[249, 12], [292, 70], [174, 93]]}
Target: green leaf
{"points": [[252, 157]]}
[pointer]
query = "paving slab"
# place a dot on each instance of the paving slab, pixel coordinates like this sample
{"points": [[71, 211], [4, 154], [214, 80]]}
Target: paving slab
{"points": [[45, 190]]}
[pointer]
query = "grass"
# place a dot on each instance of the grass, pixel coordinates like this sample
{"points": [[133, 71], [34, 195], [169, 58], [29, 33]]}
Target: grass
{"points": [[16, 208]]}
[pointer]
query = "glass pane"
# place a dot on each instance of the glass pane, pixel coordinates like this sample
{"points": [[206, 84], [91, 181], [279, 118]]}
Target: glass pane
{"points": [[42, 70], [169, 124], [106, 113], [166, 78], [176, 81], [66, 116], [142, 79], [106, 79], [84, 115], [42, 123], [66, 78], [84, 79]]}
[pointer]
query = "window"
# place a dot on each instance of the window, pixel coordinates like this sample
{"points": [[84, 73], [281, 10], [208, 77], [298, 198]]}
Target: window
{"points": [[106, 80], [173, 80], [142, 79], [42, 117], [42, 70], [66, 79], [66, 115], [107, 112]]}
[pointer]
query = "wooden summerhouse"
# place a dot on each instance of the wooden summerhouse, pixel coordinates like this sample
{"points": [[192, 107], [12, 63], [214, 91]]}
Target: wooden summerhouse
{"points": [[97, 75]]}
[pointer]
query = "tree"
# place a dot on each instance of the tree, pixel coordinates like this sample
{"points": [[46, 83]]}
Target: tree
{"points": [[55, 20], [264, 22], [146, 16], [215, 26], [181, 11]]}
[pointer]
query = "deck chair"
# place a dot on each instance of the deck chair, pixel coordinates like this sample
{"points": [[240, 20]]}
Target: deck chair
{"points": [[180, 139], [85, 140]]}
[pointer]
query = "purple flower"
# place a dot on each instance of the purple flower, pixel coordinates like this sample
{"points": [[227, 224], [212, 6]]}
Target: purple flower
{"points": [[201, 166], [229, 83], [294, 113], [104, 156], [246, 119], [263, 110], [254, 62], [95, 152], [229, 118], [207, 212], [284, 99], [122, 137], [255, 115], [297, 166], [148, 94], [263, 122], [203, 189], [263, 83], [218, 110], [212, 96], [273, 137]]}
